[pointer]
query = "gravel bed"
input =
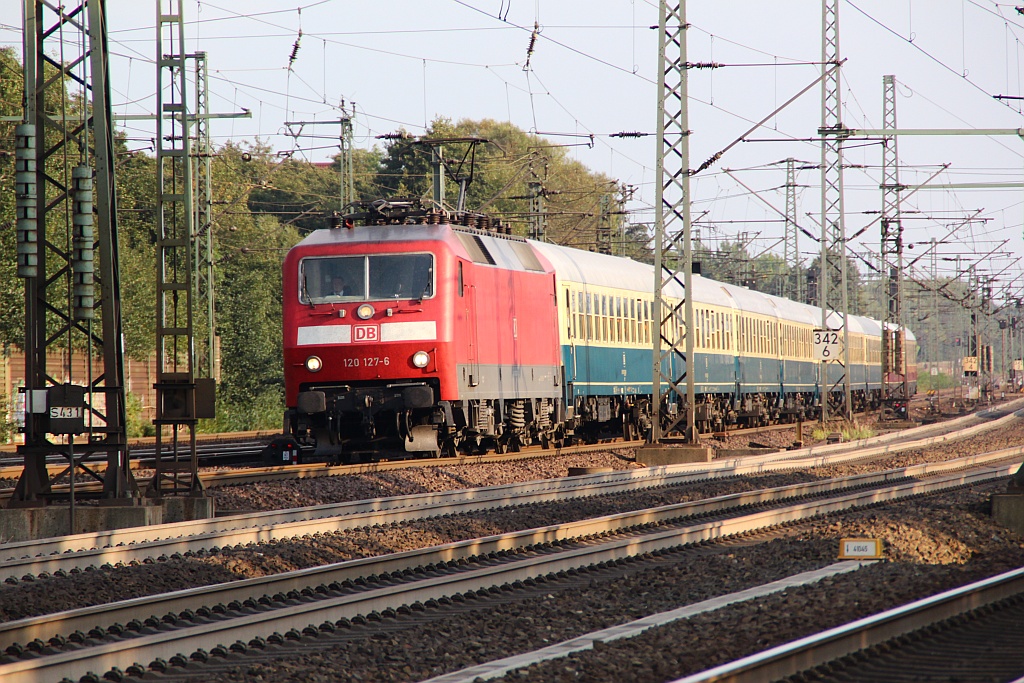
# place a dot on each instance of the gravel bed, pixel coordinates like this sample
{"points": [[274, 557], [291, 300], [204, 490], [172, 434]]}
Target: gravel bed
{"points": [[321, 490], [932, 544], [51, 594]]}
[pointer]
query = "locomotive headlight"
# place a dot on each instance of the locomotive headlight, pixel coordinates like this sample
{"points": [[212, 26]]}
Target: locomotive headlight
{"points": [[365, 312], [420, 359], [313, 364]]}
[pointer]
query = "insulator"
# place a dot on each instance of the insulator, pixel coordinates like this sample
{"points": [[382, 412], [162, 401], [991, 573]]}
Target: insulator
{"points": [[295, 50], [629, 134], [485, 222], [83, 257], [517, 415], [25, 190]]}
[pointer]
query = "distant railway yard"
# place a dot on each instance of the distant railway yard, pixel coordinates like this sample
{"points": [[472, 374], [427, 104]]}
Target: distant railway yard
{"points": [[505, 568]]}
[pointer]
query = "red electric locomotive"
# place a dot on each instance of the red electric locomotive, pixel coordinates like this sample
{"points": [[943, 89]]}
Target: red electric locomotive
{"points": [[413, 329]]}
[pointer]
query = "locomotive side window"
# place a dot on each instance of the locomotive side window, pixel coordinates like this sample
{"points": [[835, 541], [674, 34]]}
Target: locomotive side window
{"points": [[462, 283]]}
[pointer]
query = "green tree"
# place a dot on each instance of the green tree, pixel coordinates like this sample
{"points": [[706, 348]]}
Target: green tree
{"points": [[502, 170], [12, 298]]}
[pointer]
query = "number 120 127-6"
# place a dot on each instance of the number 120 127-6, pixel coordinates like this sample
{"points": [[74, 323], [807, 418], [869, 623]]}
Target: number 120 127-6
{"points": [[366, 362]]}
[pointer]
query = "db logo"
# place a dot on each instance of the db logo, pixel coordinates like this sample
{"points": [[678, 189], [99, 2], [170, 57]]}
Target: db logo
{"points": [[365, 333]]}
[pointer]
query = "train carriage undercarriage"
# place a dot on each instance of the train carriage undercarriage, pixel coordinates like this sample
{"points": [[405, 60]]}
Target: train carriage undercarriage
{"points": [[343, 424]]}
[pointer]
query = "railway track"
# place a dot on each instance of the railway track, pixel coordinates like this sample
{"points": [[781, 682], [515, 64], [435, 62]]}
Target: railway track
{"points": [[215, 620], [250, 475], [971, 633], [223, 450], [66, 553]]}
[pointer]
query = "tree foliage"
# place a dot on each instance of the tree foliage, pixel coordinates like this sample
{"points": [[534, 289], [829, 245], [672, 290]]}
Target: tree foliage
{"points": [[505, 166], [12, 299]]}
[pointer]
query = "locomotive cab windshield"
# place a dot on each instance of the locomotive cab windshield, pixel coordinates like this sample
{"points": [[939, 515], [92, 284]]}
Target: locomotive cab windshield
{"points": [[373, 277]]}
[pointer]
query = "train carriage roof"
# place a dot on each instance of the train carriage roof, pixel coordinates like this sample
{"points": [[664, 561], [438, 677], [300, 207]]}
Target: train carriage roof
{"points": [[602, 270]]}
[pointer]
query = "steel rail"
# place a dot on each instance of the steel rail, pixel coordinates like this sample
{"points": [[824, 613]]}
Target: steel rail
{"points": [[188, 639], [806, 653], [124, 545]]}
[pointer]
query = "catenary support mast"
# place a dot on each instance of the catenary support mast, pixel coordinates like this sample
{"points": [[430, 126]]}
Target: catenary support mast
{"points": [[68, 255], [177, 407], [672, 341], [832, 287], [894, 372]]}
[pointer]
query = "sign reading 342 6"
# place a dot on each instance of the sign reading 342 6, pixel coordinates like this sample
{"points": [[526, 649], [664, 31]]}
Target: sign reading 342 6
{"points": [[827, 344]]}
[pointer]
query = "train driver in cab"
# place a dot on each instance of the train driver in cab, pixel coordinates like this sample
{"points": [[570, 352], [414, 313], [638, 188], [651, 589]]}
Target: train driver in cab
{"points": [[339, 287]]}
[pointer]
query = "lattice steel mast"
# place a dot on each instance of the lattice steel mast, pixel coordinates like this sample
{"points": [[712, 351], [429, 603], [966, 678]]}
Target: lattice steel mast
{"points": [[894, 373], [672, 343], [202, 159], [791, 248], [68, 254], [832, 285], [177, 406]]}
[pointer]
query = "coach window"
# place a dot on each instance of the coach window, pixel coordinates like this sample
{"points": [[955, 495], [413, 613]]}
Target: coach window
{"points": [[569, 307], [647, 322], [581, 320], [618, 319], [590, 318], [611, 319], [631, 321]]}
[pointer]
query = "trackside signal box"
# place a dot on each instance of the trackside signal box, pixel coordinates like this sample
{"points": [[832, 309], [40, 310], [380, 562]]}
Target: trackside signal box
{"points": [[61, 407]]}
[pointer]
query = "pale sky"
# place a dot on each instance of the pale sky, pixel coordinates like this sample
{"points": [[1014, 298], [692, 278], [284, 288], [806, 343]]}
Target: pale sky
{"points": [[593, 71]]}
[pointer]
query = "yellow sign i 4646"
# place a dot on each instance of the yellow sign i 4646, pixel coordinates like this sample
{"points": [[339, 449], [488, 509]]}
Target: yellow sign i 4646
{"points": [[860, 549]]}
